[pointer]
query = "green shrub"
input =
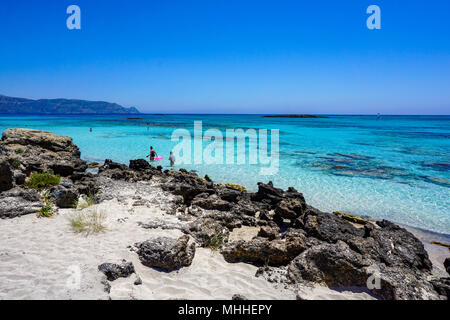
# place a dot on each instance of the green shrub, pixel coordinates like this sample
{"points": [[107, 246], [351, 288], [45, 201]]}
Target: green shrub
{"points": [[90, 222], [19, 151], [16, 164], [41, 181], [46, 211], [215, 243]]}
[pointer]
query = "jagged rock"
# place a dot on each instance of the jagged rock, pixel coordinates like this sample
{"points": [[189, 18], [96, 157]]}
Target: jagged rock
{"points": [[268, 232], [205, 229], [260, 251], [393, 246], [186, 184], [42, 151], [6, 175], [332, 264], [237, 297], [114, 271], [167, 253], [18, 202], [442, 286], [328, 227], [273, 274], [335, 264], [19, 178], [139, 164], [65, 195], [289, 209], [447, 265], [212, 202]]}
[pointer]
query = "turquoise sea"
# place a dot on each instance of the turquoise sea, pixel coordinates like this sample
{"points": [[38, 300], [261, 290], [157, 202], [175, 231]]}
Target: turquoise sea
{"points": [[395, 167]]}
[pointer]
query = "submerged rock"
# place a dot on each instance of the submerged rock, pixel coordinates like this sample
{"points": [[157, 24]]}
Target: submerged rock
{"points": [[167, 253]]}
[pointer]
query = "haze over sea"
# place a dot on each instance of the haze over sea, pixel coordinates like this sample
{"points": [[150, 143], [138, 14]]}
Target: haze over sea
{"points": [[396, 167]]}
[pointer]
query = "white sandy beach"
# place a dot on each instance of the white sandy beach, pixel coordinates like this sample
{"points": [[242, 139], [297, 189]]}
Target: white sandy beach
{"points": [[40, 258]]}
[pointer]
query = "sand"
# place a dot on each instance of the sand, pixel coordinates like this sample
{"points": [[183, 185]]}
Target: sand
{"points": [[43, 258]]}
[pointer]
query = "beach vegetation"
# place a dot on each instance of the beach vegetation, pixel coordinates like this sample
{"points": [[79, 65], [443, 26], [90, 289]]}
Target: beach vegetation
{"points": [[215, 242], [237, 187], [47, 210], [88, 222], [41, 181], [84, 202], [16, 164], [19, 151]]}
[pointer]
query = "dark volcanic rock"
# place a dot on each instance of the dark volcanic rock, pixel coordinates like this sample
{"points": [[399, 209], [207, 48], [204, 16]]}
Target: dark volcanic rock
{"points": [[114, 271], [6, 175], [442, 286], [332, 264], [18, 202], [42, 151], [260, 251], [393, 246], [328, 227], [211, 202], [205, 229], [65, 195], [139, 164], [447, 265], [167, 253]]}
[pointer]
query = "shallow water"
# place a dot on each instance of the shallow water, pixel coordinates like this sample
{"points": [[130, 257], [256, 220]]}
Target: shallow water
{"points": [[396, 167]]}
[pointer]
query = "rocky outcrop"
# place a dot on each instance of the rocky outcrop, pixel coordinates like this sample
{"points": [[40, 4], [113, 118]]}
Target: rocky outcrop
{"points": [[6, 175], [18, 202], [447, 265], [41, 151], [115, 271], [28, 151], [262, 251], [167, 253]]}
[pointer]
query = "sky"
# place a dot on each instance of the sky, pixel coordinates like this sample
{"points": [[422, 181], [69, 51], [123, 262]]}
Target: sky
{"points": [[228, 56]]}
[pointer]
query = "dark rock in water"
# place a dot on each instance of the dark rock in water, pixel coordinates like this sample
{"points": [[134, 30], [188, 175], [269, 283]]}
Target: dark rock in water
{"points": [[139, 164], [114, 271], [237, 297], [442, 286], [447, 265], [6, 175], [261, 251], [268, 193], [167, 253], [18, 202], [65, 195]]}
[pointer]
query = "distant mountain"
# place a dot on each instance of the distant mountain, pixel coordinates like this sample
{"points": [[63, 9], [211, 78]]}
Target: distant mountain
{"points": [[9, 105]]}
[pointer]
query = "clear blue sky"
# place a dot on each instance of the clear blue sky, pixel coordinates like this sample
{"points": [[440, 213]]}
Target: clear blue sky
{"points": [[230, 56]]}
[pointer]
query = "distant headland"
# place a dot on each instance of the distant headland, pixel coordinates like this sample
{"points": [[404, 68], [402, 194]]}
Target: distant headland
{"points": [[293, 116], [10, 105]]}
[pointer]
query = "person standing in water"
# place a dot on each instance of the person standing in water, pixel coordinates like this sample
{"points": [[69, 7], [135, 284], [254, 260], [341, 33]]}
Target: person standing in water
{"points": [[171, 159], [152, 154]]}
